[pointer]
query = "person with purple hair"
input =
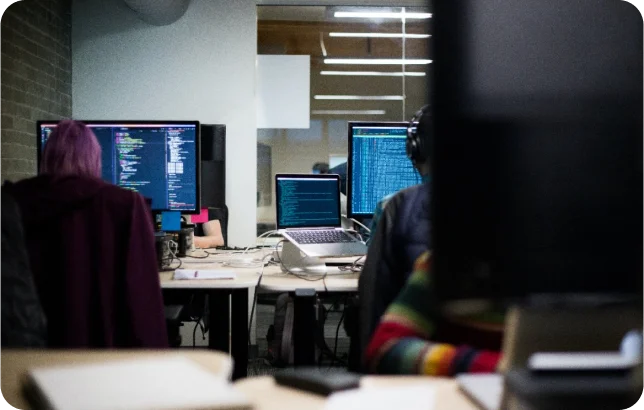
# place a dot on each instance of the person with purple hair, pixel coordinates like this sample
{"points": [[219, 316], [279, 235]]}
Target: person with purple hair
{"points": [[91, 248]]}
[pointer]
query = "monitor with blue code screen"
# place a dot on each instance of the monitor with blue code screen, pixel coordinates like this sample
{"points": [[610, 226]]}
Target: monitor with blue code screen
{"points": [[377, 165], [158, 159], [307, 201]]}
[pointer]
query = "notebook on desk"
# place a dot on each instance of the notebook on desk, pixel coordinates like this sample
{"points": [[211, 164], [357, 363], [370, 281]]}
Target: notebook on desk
{"points": [[135, 384], [485, 390], [308, 215]]}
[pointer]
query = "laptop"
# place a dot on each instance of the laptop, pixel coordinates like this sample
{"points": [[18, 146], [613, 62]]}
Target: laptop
{"points": [[308, 215]]}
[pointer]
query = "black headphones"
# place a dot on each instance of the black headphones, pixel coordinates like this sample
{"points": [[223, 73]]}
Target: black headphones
{"points": [[416, 151]]}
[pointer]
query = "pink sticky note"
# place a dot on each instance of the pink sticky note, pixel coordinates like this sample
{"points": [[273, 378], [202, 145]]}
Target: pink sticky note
{"points": [[201, 218]]}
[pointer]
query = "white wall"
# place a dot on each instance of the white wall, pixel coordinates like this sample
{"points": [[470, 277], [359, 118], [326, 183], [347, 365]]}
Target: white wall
{"points": [[200, 67]]}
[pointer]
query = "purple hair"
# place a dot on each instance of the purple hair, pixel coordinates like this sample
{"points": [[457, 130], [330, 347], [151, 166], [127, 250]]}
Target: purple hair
{"points": [[72, 149]]}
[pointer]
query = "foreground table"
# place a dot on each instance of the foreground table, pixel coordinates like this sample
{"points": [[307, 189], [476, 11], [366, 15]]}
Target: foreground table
{"points": [[265, 394], [15, 364]]}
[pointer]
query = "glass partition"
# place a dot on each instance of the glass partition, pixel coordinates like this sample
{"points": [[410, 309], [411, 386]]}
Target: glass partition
{"points": [[366, 64]]}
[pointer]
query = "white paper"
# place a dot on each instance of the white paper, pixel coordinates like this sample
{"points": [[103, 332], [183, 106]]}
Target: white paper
{"points": [[384, 398], [485, 389], [137, 384]]}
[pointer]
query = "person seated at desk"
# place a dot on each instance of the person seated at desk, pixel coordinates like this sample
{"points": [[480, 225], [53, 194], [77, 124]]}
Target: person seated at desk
{"points": [[400, 233], [91, 248], [402, 341], [23, 321], [212, 237]]}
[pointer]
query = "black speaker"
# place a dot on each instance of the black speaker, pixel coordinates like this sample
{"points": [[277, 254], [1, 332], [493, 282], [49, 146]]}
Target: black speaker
{"points": [[213, 165], [213, 142]]}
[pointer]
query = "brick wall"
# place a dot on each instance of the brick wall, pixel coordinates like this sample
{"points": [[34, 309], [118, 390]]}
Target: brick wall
{"points": [[36, 78]]}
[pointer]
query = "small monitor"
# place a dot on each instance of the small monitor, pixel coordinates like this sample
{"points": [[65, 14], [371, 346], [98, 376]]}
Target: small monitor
{"points": [[377, 165], [159, 159], [307, 201]]}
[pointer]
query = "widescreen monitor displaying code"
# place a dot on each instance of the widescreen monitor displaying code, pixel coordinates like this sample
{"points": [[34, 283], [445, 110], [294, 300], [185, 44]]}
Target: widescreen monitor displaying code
{"points": [[378, 165], [160, 161]]}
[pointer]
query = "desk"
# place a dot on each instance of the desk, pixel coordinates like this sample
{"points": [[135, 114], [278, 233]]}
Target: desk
{"points": [[234, 316], [274, 280], [225, 314], [15, 364], [265, 394]]}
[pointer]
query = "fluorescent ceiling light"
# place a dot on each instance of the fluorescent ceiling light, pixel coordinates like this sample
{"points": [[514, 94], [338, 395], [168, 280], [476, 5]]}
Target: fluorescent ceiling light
{"points": [[379, 35], [358, 97], [375, 73], [349, 112], [381, 15], [380, 61]]}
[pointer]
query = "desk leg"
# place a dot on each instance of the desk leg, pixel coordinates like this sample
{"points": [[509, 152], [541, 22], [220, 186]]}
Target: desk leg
{"points": [[304, 327], [218, 300], [239, 332]]}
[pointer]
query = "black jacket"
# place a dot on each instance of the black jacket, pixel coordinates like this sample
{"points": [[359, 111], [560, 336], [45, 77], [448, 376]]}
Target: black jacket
{"points": [[23, 321], [403, 233]]}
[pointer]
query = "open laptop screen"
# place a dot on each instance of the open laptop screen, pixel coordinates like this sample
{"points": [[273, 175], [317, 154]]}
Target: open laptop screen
{"points": [[307, 201]]}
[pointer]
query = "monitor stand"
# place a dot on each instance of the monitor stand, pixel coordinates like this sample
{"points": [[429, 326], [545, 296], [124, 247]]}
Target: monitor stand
{"points": [[293, 260]]}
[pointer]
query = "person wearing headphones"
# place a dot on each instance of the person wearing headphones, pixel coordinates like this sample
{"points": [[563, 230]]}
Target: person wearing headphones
{"points": [[399, 233], [400, 330], [417, 152]]}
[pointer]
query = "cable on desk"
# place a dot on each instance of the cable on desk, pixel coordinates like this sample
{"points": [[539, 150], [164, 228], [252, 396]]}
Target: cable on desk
{"points": [[249, 263], [198, 257], [337, 332], [360, 224], [173, 254], [353, 267], [194, 331]]}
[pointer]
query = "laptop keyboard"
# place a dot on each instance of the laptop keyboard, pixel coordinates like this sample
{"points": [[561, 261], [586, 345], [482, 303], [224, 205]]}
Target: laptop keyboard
{"points": [[320, 236]]}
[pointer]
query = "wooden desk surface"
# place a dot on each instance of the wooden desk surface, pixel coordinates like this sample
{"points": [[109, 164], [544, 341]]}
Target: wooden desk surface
{"points": [[273, 280], [15, 364], [265, 394]]}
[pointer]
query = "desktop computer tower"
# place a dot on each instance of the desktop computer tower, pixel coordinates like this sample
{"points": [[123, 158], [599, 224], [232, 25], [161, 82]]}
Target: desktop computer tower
{"points": [[213, 165]]}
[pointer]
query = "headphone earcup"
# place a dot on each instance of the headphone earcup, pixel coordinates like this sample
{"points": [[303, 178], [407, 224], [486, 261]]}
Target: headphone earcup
{"points": [[414, 144], [412, 147]]}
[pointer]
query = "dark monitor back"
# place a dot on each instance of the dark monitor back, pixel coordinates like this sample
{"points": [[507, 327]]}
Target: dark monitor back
{"points": [[213, 165], [537, 179]]}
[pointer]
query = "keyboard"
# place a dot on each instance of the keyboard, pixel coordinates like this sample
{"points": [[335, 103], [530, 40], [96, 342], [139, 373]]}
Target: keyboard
{"points": [[320, 236]]}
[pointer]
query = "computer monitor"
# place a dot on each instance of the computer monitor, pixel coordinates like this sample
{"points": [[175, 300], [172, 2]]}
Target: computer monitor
{"points": [[159, 159], [377, 165], [537, 171], [307, 201]]}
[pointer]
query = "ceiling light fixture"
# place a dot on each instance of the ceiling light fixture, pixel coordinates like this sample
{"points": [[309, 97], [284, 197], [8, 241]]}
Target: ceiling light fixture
{"points": [[359, 97], [381, 15], [379, 35], [378, 61], [375, 73], [348, 112]]}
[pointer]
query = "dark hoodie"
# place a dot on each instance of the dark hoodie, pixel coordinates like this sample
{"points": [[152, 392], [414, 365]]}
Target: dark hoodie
{"points": [[23, 321], [91, 248]]}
